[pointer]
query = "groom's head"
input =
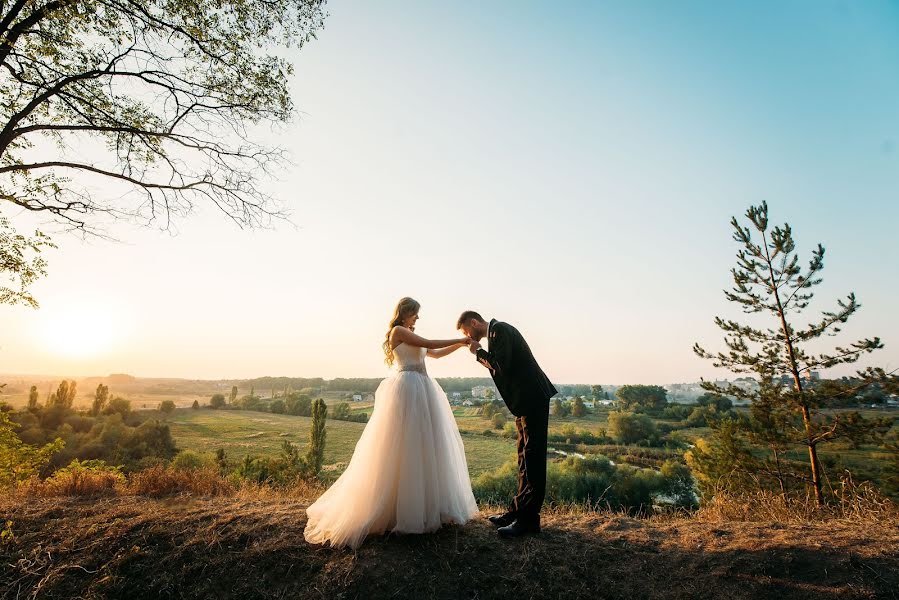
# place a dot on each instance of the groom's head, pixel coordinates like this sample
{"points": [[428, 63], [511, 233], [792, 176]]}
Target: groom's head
{"points": [[472, 325]]}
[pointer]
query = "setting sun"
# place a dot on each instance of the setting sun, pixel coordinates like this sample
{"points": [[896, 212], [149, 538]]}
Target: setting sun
{"points": [[80, 331]]}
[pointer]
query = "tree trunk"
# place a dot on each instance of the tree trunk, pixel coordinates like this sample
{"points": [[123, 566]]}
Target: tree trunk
{"points": [[797, 380], [813, 457]]}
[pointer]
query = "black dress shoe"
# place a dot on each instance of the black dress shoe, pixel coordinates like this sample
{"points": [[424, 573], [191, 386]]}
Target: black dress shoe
{"points": [[519, 528], [502, 520]]}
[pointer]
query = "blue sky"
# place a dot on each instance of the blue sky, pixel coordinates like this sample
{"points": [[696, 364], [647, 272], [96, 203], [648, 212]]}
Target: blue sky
{"points": [[569, 168]]}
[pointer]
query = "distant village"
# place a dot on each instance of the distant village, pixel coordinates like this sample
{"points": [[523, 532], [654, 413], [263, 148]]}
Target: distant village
{"points": [[682, 393]]}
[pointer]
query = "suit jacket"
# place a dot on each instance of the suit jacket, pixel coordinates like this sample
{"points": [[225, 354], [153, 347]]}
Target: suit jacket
{"points": [[524, 386]]}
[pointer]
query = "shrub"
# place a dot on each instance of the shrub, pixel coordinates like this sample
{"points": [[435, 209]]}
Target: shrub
{"points": [[188, 460], [79, 423], [578, 409], [217, 401], [340, 411], [299, 405], [630, 428], [119, 406], [20, 461], [83, 478], [677, 412], [593, 481], [560, 409], [679, 484], [151, 438], [569, 434]]}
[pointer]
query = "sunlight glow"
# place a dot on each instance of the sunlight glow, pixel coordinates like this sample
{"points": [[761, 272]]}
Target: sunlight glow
{"points": [[80, 331]]}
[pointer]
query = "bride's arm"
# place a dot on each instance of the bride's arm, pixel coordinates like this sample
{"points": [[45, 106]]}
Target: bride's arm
{"points": [[445, 351], [403, 335]]}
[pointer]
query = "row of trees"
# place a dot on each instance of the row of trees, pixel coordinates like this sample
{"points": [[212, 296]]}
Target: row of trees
{"points": [[296, 404], [111, 445], [49, 435]]}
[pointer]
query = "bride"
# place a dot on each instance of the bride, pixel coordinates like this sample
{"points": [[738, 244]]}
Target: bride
{"points": [[408, 473]]}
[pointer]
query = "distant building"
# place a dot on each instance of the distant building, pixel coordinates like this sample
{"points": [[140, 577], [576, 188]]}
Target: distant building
{"points": [[468, 403], [357, 397], [480, 391]]}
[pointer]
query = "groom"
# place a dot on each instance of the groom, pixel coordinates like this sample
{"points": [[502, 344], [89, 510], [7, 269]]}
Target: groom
{"points": [[526, 391]]}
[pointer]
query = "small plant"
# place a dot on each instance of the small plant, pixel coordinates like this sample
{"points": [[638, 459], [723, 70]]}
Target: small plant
{"points": [[6, 535]]}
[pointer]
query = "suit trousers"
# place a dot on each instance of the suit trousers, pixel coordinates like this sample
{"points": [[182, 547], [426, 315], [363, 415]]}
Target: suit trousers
{"points": [[532, 441]]}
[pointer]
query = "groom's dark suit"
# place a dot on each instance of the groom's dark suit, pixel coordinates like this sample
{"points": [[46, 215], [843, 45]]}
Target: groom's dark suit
{"points": [[526, 390]]}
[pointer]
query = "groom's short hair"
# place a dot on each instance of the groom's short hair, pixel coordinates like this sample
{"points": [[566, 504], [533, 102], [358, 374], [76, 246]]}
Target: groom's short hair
{"points": [[467, 316]]}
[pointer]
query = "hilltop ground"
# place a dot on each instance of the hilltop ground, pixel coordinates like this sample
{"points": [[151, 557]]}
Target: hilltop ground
{"points": [[252, 547]]}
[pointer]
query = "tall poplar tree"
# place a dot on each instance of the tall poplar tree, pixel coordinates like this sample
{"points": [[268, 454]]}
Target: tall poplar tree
{"points": [[317, 432]]}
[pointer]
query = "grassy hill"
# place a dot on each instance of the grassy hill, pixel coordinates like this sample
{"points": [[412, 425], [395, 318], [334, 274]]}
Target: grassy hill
{"points": [[251, 546]]}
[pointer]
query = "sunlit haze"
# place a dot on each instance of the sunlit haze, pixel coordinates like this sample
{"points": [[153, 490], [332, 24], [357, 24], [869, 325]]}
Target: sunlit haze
{"points": [[570, 169]]}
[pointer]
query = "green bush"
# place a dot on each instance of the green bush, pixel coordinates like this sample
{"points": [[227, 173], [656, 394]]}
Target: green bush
{"points": [[217, 401], [596, 482], [632, 428], [20, 461], [188, 460]]}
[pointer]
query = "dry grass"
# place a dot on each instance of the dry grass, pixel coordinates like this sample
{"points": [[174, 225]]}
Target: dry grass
{"points": [[162, 481], [858, 503], [250, 545], [77, 483]]}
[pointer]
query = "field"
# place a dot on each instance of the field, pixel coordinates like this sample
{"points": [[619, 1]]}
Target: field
{"points": [[248, 432]]}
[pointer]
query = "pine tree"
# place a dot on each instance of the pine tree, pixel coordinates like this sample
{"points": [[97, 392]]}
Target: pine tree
{"points": [[768, 280], [316, 454], [233, 397]]}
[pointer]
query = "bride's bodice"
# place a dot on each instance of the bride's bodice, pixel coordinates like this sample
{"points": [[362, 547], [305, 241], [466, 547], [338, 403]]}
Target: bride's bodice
{"points": [[410, 358]]}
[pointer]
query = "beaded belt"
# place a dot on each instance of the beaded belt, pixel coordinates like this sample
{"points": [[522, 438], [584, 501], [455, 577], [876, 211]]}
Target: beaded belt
{"points": [[417, 368]]}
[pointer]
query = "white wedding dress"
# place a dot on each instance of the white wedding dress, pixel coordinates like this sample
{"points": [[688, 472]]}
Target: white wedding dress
{"points": [[408, 473]]}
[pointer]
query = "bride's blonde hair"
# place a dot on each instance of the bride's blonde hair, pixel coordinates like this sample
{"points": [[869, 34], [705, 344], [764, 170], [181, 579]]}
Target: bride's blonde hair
{"points": [[405, 308]]}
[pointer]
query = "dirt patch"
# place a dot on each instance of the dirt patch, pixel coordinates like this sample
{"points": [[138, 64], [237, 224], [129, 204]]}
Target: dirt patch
{"points": [[232, 547]]}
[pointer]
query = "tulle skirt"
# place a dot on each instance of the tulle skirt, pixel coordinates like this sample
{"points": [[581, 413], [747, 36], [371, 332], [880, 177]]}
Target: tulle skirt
{"points": [[408, 473]]}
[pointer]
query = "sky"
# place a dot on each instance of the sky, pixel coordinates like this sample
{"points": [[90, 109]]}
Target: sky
{"points": [[568, 168]]}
